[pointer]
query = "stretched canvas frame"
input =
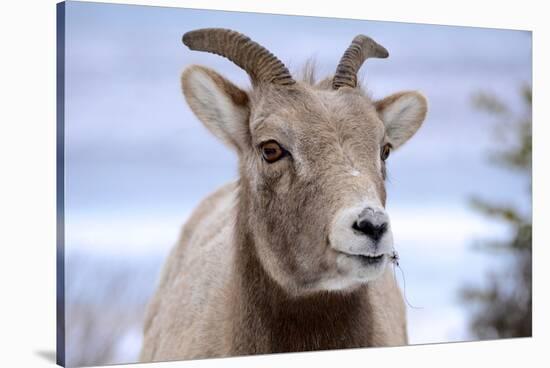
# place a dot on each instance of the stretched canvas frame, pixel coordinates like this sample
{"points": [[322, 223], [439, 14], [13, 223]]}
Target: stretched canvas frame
{"points": [[68, 185]]}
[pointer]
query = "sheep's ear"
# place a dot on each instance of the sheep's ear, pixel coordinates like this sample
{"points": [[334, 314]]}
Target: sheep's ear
{"points": [[219, 104], [402, 114]]}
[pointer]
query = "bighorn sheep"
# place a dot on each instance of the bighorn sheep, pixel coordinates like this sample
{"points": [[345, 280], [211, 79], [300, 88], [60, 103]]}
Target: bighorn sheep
{"points": [[292, 256]]}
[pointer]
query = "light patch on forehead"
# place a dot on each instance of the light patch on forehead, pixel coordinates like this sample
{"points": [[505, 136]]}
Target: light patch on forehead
{"points": [[355, 172]]}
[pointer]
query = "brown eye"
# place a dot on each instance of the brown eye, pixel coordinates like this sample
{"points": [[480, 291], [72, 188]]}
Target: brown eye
{"points": [[384, 154], [272, 151]]}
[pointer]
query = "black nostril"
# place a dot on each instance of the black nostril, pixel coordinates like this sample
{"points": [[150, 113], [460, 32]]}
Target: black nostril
{"points": [[368, 228]]}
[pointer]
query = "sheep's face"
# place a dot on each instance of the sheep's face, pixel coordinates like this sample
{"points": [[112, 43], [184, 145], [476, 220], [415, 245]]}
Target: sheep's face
{"points": [[312, 170]]}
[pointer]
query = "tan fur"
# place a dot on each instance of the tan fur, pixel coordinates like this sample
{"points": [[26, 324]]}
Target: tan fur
{"points": [[187, 318], [250, 272], [185, 323]]}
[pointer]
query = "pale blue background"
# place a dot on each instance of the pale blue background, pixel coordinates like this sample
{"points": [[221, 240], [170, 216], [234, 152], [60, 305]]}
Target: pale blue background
{"points": [[138, 161]]}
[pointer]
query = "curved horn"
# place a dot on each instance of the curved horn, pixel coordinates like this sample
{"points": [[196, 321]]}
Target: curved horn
{"points": [[256, 60], [361, 48]]}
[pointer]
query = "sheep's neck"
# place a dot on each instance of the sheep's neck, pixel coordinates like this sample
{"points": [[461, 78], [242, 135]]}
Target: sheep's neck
{"points": [[267, 320]]}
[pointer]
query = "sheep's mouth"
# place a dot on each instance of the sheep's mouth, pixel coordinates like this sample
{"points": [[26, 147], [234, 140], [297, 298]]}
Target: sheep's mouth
{"points": [[370, 260], [366, 260]]}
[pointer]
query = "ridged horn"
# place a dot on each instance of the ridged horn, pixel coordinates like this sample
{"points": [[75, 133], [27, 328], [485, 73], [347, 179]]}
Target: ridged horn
{"points": [[260, 64], [361, 48]]}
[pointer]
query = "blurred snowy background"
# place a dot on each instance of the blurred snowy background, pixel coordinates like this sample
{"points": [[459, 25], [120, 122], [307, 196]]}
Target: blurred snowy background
{"points": [[138, 161]]}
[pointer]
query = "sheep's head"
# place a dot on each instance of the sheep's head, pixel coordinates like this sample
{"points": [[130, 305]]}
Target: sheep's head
{"points": [[312, 159]]}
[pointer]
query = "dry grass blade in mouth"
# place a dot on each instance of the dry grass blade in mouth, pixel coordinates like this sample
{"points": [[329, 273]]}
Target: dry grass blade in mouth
{"points": [[394, 258]]}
